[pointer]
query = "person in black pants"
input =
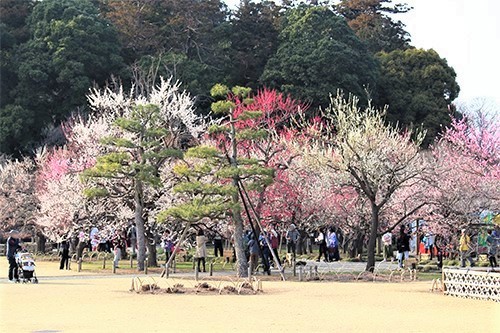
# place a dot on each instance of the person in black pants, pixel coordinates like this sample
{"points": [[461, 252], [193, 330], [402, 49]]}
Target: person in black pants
{"points": [[218, 248], [321, 241], [12, 247], [64, 253]]}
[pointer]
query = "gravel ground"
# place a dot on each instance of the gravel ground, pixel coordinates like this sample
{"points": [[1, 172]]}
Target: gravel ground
{"points": [[66, 301]]}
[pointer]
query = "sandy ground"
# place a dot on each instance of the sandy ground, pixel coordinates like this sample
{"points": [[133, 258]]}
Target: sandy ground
{"points": [[63, 302]]}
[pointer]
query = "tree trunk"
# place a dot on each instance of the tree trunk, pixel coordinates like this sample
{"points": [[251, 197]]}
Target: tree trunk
{"points": [[40, 243], [379, 245], [241, 258], [139, 223], [151, 244], [370, 264], [360, 243]]}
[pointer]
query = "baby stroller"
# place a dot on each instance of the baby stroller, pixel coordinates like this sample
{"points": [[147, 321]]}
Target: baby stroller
{"points": [[26, 266]]}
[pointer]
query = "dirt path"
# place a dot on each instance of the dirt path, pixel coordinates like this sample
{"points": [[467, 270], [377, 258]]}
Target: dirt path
{"points": [[106, 305]]}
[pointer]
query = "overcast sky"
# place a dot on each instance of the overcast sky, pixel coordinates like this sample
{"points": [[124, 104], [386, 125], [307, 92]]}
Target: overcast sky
{"points": [[467, 34], [464, 32]]}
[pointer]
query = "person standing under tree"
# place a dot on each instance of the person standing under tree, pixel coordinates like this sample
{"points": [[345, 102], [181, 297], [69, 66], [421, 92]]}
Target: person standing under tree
{"points": [[492, 249], [201, 249], [253, 247], [119, 246], [292, 235], [403, 246], [387, 242], [275, 242], [64, 253], [132, 236], [321, 241], [12, 247], [218, 247], [464, 248]]}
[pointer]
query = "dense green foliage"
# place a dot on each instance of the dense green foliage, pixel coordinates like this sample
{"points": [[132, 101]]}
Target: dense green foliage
{"points": [[53, 51], [371, 21], [71, 47], [317, 55], [418, 86]]}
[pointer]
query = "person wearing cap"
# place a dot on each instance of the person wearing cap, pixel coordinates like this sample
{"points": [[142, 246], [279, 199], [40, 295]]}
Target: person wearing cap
{"points": [[12, 247], [464, 248]]}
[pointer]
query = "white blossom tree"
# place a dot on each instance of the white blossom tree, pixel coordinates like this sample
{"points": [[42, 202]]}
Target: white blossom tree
{"points": [[18, 203], [369, 155], [149, 130]]}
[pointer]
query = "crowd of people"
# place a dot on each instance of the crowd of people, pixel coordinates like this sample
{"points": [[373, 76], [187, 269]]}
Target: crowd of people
{"points": [[262, 247]]}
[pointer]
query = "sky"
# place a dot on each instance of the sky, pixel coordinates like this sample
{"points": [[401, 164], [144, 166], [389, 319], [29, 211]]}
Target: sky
{"points": [[464, 32]]}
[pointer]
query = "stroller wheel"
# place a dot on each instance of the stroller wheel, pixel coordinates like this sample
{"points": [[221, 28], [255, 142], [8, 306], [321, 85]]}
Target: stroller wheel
{"points": [[25, 281], [35, 281]]}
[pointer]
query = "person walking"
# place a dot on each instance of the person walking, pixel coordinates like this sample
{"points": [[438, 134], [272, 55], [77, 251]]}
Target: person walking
{"points": [[12, 247], [387, 242], [119, 246], [132, 237], [321, 241], [167, 244], [266, 252], [64, 253], [253, 248], [403, 246], [201, 249], [333, 245], [492, 249], [218, 247], [275, 242], [429, 244], [464, 248], [292, 235]]}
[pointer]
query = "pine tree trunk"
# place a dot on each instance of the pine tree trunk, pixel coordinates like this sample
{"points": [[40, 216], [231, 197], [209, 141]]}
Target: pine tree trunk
{"points": [[241, 258], [139, 223]]}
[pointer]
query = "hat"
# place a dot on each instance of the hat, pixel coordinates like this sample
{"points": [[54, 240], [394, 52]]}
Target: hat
{"points": [[463, 230], [292, 226]]}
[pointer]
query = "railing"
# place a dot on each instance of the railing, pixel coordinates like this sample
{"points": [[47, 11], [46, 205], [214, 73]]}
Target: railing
{"points": [[467, 283]]}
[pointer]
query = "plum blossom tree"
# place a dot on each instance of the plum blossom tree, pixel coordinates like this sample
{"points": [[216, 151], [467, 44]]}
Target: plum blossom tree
{"points": [[18, 202], [464, 174], [376, 159], [150, 129]]}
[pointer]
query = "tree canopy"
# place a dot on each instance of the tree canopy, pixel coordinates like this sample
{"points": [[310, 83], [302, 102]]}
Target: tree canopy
{"points": [[418, 86], [318, 54], [373, 22], [70, 48]]}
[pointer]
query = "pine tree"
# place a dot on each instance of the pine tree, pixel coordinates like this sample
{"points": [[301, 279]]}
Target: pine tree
{"points": [[150, 131], [212, 176]]}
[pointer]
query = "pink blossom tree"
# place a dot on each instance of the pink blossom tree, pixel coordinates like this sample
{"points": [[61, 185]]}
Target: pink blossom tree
{"points": [[464, 174]]}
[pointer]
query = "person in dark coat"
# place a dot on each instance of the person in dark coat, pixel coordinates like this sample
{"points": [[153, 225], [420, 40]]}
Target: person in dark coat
{"points": [[12, 247], [403, 246], [64, 253]]}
